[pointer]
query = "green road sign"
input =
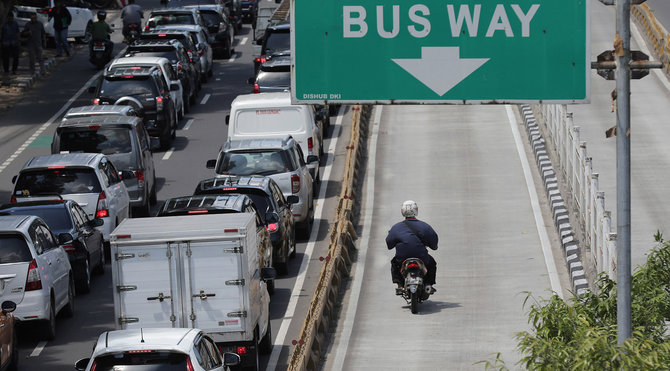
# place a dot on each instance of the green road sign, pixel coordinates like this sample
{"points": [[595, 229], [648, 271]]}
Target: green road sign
{"points": [[432, 51]]}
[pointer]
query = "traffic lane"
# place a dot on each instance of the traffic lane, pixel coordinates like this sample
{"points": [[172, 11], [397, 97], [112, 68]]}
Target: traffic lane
{"points": [[661, 9], [460, 164]]}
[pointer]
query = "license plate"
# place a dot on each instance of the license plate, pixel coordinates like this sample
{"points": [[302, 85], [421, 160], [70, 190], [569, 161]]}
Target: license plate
{"points": [[98, 47]]}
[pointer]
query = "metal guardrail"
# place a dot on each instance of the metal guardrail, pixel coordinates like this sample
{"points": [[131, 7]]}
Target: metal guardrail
{"points": [[656, 35], [313, 337], [582, 183]]}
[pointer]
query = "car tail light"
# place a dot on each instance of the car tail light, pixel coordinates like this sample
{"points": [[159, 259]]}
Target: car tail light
{"points": [[139, 174], [69, 248], [272, 227], [96, 101], [241, 350], [146, 27], [101, 210], [33, 281], [159, 103], [295, 183], [261, 60], [94, 366], [190, 55], [198, 211], [257, 89], [12, 199], [189, 364], [310, 143], [179, 67]]}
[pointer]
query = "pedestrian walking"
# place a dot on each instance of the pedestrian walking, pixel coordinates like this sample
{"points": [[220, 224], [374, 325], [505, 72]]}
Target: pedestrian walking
{"points": [[62, 19], [10, 43], [37, 40]]}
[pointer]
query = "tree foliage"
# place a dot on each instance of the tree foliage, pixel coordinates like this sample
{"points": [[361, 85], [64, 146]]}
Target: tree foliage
{"points": [[581, 333]]}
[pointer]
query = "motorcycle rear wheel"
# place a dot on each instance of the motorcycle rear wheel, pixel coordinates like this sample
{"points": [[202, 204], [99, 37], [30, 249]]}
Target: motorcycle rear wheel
{"points": [[415, 302]]}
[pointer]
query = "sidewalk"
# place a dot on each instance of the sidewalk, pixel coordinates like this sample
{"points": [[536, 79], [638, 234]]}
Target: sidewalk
{"points": [[13, 87]]}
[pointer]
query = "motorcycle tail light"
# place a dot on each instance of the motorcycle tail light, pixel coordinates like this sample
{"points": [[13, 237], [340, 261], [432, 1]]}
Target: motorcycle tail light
{"points": [[33, 281], [295, 183], [272, 227], [413, 265]]}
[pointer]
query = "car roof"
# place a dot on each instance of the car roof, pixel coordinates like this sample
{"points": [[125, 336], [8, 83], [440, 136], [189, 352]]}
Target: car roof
{"points": [[10, 223], [146, 43], [55, 204], [181, 9], [177, 27], [179, 339], [122, 71], [101, 120], [204, 202], [99, 109], [228, 181], [257, 143], [64, 159], [139, 61], [275, 99]]}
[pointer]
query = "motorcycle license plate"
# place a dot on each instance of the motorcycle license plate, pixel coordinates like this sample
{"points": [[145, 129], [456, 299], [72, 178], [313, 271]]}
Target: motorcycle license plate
{"points": [[413, 280], [98, 47]]}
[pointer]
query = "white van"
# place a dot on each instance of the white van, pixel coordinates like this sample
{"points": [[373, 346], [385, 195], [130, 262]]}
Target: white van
{"points": [[271, 115]]}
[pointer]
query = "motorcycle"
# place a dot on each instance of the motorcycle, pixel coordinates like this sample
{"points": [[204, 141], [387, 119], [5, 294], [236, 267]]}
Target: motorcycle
{"points": [[99, 53], [133, 33], [413, 270]]}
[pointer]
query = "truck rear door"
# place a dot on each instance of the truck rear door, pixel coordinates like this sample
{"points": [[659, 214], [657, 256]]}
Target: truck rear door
{"points": [[215, 284], [146, 285]]}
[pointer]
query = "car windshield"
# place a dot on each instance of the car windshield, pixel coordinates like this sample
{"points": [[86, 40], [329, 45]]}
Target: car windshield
{"points": [[175, 18], [145, 361], [278, 42], [274, 80], [255, 163], [127, 87], [96, 140], [57, 218], [33, 3], [14, 249], [171, 55], [56, 181], [211, 18]]}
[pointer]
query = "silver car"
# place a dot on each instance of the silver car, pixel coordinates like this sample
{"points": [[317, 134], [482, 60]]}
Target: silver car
{"points": [[200, 38], [90, 179], [280, 159]]}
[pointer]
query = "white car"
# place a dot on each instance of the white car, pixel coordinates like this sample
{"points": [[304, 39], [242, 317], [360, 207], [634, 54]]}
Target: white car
{"points": [[200, 38], [35, 271], [157, 349], [169, 73], [90, 179], [82, 18]]}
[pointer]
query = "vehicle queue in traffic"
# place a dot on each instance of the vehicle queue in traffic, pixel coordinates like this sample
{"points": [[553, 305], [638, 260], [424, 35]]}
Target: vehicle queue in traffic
{"points": [[101, 172]]}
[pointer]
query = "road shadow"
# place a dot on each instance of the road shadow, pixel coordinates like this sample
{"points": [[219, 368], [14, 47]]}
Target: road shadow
{"points": [[433, 306]]}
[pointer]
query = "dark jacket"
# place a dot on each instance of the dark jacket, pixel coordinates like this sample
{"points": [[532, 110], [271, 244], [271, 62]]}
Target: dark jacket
{"points": [[407, 244], [10, 34], [62, 18]]}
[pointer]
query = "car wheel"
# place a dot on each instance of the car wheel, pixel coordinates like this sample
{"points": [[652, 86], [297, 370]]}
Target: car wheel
{"points": [[50, 325], [88, 34], [68, 310], [265, 346], [181, 111], [165, 140], [293, 247], [271, 286], [306, 226], [100, 269], [84, 284]]}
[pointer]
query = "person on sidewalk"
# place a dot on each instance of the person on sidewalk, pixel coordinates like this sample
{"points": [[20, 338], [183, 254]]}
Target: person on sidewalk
{"points": [[37, 40], [10, 43], [62, 19]]}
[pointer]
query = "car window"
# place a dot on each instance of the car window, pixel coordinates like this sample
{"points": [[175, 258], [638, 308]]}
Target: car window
{"points": [[57, 181], [145, 361], [277, 42], [38, 243], [169, 71], [135, 86], [211, 18], [213, 351], [201, 353], [175, 18], [298, 153], [95, 139], [141, 136], [80, 213], [255, 162], [111, 172], [170, 54], [57, 218], [160, 82], [277, 195], [48, 239], [14, 249], [280, 80]]}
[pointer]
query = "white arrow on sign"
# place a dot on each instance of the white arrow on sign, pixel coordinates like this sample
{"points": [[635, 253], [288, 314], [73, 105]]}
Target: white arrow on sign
{"points": [[440, 68]]}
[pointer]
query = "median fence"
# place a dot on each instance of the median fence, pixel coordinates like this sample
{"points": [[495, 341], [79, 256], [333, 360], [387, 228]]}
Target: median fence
{"points": [[587, 201], [313, 336], [654, 33]]}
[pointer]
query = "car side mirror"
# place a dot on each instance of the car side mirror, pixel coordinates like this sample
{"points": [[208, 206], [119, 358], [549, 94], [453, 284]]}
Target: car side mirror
{"points": [[65, 238], [271, 218], [312, 159], [10, 306], [174, 87], [292, 199], [231, 359], [227, 119], [211, 164], [81, 364], [268, 274], [97, 222]]}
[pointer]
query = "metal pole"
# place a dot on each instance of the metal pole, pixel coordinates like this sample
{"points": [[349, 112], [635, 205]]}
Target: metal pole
{"points": [[622, 53]]}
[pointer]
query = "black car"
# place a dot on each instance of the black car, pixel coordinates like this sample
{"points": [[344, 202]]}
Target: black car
{"points": [[276, 41], [249, 10], [162, 33], [220, 29], [174, 51], [273, 208], [86, 252], [145, 88]]}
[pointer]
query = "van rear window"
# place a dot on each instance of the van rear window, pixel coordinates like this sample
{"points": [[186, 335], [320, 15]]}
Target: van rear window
{"points": [[285, 120], [56, 181], [14, 249], [104, 140]]}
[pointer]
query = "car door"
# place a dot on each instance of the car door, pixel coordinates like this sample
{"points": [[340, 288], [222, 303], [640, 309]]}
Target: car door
{"points": [[91, 237], [203, 39], [172, 78], [147, 156], [57, 268], [117, 195], [77, 26], [283, 210]]}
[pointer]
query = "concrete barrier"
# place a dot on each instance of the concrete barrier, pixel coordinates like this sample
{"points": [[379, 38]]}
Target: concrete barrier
{"points": [[313, 335]]}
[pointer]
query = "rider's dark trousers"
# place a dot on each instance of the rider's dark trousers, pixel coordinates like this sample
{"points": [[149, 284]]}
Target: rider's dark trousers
{"points": [[431, 266]]}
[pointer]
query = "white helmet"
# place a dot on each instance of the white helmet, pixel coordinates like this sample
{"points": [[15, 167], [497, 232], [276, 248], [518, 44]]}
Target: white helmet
{"points": [[409, 209]]}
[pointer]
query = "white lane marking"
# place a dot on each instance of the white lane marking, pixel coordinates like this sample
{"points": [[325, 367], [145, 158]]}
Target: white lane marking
{"points": [[232, 57], [188, 124], [52, 119], [205, 98], [217, 79], [535, 204], [359, 268], [38, 349], [169, 153], [300, 280], [244, 40]]}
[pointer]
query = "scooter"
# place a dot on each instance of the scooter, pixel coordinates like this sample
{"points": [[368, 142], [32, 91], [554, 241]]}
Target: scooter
{"points": [[99, 54], [133, 33], [414, 290]]}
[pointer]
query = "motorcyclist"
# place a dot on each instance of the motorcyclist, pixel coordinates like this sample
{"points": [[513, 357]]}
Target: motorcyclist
{"points": [[102, 32], [410, 238], [131, 14]]}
